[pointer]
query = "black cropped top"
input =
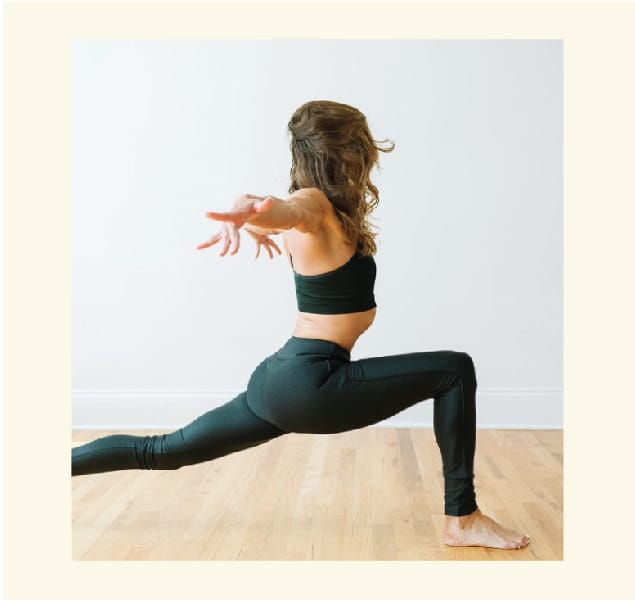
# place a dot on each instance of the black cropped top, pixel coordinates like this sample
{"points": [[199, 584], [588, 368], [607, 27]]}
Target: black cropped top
{"points": [[347, 289]]}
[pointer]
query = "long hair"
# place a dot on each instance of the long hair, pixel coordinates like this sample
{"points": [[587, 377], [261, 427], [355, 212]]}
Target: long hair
{"points": [[333, 150]]}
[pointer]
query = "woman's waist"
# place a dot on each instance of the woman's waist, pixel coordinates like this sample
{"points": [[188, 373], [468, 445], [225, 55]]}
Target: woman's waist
{"points": [[311, 350], [343, 329]]}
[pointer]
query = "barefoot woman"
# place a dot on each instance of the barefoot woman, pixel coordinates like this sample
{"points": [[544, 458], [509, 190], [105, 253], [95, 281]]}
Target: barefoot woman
{"points": [[311, 385]]}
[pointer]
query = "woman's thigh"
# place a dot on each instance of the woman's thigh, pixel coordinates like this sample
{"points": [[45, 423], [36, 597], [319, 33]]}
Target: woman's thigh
{"points": [[370, 390]]}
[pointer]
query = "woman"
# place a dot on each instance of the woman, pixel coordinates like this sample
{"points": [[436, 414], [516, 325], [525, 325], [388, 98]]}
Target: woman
{"points": [[311, 385]]}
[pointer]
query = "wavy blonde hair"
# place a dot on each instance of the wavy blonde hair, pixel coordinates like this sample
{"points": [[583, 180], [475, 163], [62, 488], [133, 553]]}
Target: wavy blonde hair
{"points": [[332, 149]]}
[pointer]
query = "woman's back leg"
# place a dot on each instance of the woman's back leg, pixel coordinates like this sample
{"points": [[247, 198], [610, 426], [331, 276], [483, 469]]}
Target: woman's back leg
{"points": [[223, 430]]}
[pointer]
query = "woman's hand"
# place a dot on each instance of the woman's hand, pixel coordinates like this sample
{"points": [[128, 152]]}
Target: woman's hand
{"points": [[228, 234], [245, 207], [263, 240]]}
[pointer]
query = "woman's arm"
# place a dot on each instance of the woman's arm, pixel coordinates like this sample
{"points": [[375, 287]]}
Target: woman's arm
{"points": [[304, 210]]}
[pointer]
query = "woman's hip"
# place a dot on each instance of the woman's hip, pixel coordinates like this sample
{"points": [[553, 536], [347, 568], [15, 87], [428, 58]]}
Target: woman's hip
{"points": [[288, 383]]}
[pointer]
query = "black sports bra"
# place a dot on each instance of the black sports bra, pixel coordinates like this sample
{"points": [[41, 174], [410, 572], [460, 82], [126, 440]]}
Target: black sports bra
{"points": [[347, 289]]}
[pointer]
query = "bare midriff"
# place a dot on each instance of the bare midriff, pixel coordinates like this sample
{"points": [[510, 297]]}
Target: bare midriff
{"points": [[344, 329]]}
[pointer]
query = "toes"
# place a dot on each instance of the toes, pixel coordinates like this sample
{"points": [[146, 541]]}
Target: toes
{"points": [[524, 542], [511, 546], [521, 545]]}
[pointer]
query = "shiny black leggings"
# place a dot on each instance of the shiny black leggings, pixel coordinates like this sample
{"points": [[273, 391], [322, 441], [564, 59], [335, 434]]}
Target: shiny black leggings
{"points": [[312, 386]]}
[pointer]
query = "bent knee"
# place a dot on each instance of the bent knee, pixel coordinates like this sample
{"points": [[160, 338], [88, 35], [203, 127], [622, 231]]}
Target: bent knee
{"points": [[465, 367]]}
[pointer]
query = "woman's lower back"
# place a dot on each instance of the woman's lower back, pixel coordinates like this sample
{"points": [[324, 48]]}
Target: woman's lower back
{"points": [[344, 329]]}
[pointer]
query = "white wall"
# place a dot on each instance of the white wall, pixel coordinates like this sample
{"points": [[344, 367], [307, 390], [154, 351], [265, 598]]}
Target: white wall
{"points": [[470, 253]]}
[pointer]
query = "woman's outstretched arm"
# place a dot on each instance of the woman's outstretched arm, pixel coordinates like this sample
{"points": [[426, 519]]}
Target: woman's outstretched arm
{"points": [[262, 216], [303, 210]]}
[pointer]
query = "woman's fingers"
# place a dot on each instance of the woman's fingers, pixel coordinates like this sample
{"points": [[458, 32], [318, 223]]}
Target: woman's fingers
{"points": [[234, 237], [226, 246], [214, 239], [267, 243], [231, 243], [222, 216], [238, 217], [275, 246], [234, 219], [230, 237]]}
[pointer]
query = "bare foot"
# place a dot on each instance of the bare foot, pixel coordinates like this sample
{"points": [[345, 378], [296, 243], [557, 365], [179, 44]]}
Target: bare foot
{"points": [[476, 529]]}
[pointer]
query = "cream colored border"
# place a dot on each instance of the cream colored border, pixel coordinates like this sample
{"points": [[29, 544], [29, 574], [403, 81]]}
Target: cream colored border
{"points": [[599, 137]]}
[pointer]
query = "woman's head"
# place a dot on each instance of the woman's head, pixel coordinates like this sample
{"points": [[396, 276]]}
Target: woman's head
{"points": [[332, 149]]}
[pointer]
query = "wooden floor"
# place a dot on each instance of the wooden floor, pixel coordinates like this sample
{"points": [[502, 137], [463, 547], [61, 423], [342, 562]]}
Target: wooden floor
{"points": [[368, 494]]}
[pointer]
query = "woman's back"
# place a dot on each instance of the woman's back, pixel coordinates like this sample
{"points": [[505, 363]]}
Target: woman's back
{"points": [[314, 253]]}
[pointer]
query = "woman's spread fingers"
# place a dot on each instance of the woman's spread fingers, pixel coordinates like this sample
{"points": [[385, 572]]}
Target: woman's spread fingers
{"points": [[226, 247], [223, 216], [209, 243], [235, 239], [257, 251], [269, 251], [216, 216], [276, 247]]}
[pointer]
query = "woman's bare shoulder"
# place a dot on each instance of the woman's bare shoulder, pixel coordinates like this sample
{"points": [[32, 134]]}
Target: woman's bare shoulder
{"points": [[311, 194], [321, 250]]}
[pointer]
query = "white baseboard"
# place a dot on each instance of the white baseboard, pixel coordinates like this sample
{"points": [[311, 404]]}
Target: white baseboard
{"points": [[170, 409]]}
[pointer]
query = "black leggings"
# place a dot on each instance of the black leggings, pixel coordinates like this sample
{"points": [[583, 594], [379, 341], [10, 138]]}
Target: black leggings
{"points": [[312, 386]]}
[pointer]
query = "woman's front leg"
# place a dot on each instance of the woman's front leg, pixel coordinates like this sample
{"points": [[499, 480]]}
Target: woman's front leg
{"points": [[370, 390]]}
